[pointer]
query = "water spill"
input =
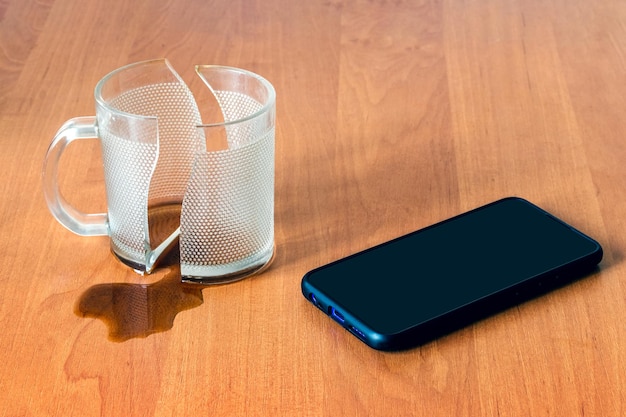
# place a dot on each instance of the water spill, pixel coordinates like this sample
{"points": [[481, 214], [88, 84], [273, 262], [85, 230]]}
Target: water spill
{"points": [[139, 310]]}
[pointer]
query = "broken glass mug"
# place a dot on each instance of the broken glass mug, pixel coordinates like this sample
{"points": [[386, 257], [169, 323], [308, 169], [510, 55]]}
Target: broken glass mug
{"points": [[171, 178]]}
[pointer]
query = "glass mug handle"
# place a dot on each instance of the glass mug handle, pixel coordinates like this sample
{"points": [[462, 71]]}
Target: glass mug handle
{"points": [[84, 224]]}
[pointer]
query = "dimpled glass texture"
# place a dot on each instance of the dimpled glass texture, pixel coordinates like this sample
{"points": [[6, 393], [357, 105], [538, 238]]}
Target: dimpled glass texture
{"points": [[175, 109], [148, 145], [227, 220]]}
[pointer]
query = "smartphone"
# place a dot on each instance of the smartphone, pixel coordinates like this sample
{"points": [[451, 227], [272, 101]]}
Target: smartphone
{"points": [[418, 287]]}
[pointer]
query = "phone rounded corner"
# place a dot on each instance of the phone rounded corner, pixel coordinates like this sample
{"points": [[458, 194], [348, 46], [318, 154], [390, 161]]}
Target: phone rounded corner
{"points": [[517, 199], [388, 342], [305, 285], [378, 341], [598, 253], [390, 345]]}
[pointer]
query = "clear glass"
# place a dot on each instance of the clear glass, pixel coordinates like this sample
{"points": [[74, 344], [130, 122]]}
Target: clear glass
{"points": [[146, 120], [169, 177], [227, 220]]}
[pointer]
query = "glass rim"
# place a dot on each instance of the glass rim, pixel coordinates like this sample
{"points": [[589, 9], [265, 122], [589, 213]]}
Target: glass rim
{"points": [[100, 85], [267, 105]]}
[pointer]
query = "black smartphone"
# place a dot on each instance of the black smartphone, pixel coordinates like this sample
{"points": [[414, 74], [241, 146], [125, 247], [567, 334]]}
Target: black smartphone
{"points": [[415, 288]]}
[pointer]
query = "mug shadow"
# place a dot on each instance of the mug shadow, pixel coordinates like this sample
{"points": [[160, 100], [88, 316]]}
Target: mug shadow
{"points": [[139, 310]]}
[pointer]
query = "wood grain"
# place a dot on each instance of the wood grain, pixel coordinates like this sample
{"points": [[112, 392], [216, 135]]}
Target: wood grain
{"points": [[391, 115]]}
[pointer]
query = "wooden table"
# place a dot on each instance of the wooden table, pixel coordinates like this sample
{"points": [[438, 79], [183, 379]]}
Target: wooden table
{"points": [[391, 115]]}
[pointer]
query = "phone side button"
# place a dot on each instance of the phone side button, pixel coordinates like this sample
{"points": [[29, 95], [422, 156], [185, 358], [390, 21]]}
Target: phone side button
{"points": [[315, 302]]}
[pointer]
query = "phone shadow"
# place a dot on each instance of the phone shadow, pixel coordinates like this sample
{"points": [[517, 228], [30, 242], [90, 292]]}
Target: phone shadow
{"points": [[139, 310]]}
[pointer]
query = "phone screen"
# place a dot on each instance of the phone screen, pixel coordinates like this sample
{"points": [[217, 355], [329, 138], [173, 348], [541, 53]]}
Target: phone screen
{"points": [[395, 287]]}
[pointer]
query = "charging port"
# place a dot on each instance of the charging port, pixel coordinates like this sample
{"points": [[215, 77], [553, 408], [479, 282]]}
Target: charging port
{"points": [[337, 316]]}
